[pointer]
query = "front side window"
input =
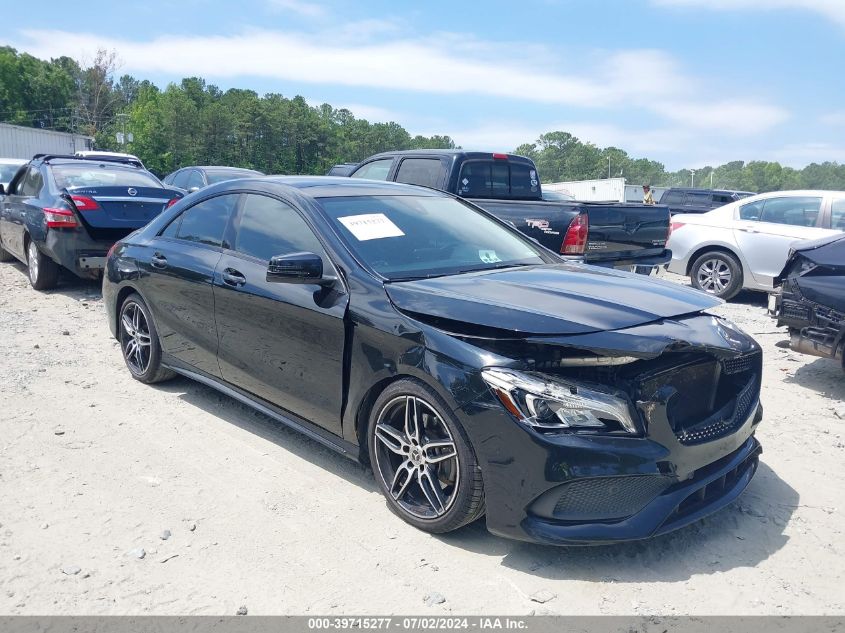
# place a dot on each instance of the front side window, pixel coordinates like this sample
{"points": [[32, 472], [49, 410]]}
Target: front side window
{"points": [[402, 237], [697, 199], [181, 179], [94, 175], [376, 170], [672, 197], [195, 180], [270, 227], [205, 222], [426, 172]]}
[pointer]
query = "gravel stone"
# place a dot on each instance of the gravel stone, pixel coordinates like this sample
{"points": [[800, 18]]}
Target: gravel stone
{"points": [[165, 534], [242, 610], [138, 553], [71, 570], [434, 598], [543, 596]]}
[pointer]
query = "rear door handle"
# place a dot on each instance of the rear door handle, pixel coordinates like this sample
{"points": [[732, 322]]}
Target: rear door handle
{"points": [[233, 277], [158, 261]]}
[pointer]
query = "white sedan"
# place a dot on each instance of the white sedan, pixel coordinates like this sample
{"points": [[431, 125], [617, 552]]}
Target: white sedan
{"points": [[745, 244]]}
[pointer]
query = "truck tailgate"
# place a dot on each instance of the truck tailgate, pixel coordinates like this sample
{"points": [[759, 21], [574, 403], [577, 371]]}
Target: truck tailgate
{"points": [[625, 231], [620, 234]]}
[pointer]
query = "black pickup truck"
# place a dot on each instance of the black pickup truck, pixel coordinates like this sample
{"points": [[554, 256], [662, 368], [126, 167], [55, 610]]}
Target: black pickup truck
{"points": [[618, 235]]}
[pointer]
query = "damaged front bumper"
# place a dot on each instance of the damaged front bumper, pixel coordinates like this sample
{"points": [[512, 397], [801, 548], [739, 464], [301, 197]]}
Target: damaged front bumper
{"points": [[696, 391]]}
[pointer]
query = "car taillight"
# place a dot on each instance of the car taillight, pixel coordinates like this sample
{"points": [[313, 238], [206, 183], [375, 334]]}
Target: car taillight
{"points": [[575, 241], [673, 226], [111, 250], [60, 219], [172, 202], [84, 203]]}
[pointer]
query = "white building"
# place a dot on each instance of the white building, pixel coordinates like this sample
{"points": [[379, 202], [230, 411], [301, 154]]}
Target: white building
{"points": [[603, 190], [24, 142]]}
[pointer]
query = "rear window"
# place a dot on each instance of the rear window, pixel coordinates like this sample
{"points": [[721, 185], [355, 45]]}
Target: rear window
{"points": [[218, 175], [672, 197], [427, 172], [498, 179], [68, 176]]}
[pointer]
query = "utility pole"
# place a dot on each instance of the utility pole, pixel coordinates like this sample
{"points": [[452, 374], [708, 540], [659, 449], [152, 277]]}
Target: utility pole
{"points": [[608, 167], [711, 178], [122, 116], [692, 178]]}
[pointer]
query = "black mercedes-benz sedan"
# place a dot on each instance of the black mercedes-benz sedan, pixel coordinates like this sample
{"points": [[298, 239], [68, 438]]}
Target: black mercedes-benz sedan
{"points": [[476, 372]]}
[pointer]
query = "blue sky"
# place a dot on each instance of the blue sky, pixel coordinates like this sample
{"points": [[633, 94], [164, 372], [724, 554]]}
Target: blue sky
{"points": [[686, 82]]}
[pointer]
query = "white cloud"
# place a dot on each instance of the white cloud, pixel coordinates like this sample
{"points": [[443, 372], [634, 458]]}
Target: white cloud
{"points": [[799, 155], [831, 9], [614, 81], [836, 118], [305, 8], [730, 116]]}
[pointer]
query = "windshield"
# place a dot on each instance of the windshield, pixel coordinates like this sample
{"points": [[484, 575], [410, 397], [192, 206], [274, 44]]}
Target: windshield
{"points": [[7, 172], [91, 175], [214, 176], [409, 237]]}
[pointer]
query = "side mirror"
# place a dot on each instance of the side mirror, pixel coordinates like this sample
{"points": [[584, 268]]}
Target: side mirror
{"points": [[193, 189], [2, 190], [298, 268]]}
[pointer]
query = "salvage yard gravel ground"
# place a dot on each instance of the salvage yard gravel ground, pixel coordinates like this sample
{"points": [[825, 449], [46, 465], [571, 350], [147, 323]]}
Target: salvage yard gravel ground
{"points": [[96, 468]]}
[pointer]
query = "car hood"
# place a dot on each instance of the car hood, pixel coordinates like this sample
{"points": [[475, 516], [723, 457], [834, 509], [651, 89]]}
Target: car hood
{"points": [[550, 299]]}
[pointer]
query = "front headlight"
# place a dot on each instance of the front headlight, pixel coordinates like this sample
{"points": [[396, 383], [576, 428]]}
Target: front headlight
{"points": [[545, 403]]}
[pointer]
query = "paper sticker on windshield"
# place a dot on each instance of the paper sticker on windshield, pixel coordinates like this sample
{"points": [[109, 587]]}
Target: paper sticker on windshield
{"points": [[370, 226], [489, 257]]}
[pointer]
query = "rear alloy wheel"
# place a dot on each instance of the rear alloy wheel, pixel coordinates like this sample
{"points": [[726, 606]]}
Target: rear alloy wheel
{"points": [[422, 460], [717, 273], [139, 342], [43, 271]]}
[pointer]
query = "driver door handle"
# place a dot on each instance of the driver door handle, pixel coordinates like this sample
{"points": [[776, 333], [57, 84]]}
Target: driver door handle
{"points": [[233, 277], [748, 229], [158, 261]]}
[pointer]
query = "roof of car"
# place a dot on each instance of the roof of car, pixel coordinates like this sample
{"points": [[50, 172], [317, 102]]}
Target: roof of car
{"points": [[339, 186], [220, 167], [78, 160], [699, 190], [443, 152]]}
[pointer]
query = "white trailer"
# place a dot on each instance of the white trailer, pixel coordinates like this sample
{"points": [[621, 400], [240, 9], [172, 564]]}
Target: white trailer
{"points": [[603, 190], [24, 142]]}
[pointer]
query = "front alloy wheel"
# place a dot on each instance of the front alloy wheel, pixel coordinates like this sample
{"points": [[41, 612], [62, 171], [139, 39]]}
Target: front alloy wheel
{"points": [[422, 460], [416, 457]]}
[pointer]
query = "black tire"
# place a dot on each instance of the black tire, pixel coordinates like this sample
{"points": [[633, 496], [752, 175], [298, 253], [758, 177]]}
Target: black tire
{"points": [[43, 271], [717, 273], [457, 477], [139, 342]]}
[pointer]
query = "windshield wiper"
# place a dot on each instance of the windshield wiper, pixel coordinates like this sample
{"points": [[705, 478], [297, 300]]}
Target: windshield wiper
{"points": [[496, 267]]}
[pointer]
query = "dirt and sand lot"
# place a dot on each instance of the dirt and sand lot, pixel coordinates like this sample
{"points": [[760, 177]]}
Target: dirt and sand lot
{"points": [[96, 468]]}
